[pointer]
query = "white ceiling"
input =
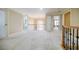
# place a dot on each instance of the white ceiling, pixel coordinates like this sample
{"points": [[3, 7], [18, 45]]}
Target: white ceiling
{"points": [[36, 12]]}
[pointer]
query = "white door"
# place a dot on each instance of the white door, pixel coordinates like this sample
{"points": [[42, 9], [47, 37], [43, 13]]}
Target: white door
{"points": [[2, 24]]}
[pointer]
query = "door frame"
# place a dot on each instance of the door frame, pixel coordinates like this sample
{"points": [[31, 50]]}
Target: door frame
{"points": [[67, 21]]}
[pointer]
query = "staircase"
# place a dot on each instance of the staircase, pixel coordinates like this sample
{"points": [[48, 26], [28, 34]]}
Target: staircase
{"points": [[70, 37]]}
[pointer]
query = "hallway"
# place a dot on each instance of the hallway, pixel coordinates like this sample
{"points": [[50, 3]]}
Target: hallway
{"points": [[31, 29], [33, 40]]}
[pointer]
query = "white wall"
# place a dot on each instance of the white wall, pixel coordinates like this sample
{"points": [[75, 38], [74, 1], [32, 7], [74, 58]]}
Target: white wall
{"points": [[14, 22]]}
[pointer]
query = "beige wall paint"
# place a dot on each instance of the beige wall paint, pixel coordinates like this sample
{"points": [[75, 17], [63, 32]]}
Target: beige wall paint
{"points": [[14, 22], [66, 11], [74, 16], [67, 19], [35, 20]]}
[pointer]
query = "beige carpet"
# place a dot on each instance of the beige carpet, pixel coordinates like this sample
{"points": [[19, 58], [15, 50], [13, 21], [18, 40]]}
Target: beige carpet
{"points": [[33, 40]]}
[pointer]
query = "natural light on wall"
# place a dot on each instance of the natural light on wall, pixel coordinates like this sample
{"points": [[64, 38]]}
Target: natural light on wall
{"points": [[40, 25], [33, 24]]}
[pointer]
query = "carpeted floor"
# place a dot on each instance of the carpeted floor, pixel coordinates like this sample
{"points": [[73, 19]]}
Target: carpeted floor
{"points": [[32, 40]]}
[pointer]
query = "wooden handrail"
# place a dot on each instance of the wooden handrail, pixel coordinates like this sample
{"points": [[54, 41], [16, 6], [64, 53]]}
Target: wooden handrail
{"points": [[70, 36], [71, 26]]}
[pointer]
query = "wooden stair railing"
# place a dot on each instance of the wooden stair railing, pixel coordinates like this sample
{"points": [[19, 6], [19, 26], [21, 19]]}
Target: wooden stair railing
{"points": [[70, 37]]}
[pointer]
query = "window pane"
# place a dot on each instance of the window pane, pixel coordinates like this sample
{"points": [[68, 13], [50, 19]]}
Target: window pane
{"points": [[56, 17], [56, 22]]}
